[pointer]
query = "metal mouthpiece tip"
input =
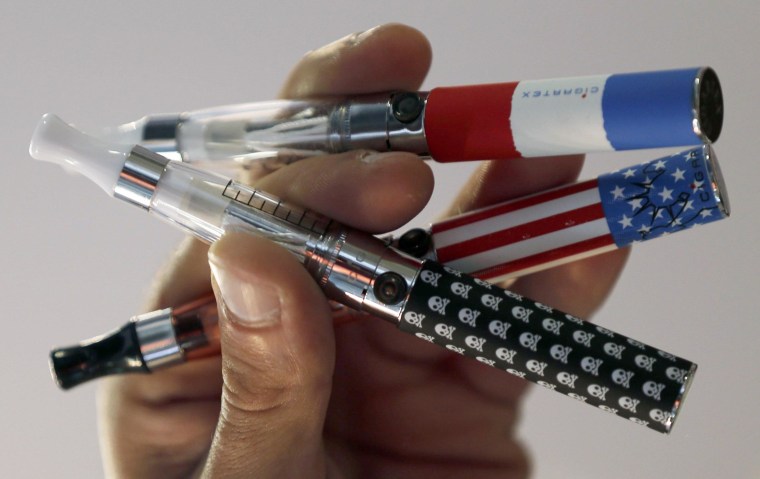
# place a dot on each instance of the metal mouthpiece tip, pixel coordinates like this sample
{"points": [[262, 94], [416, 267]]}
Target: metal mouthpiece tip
{"points": [[708, 102], [679, 400], [718, 183]]}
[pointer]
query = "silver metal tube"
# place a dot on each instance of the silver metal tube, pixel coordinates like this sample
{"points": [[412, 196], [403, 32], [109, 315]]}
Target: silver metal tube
{"points": [[389, 123], [353, 269], [139, 177], [158, 341]]}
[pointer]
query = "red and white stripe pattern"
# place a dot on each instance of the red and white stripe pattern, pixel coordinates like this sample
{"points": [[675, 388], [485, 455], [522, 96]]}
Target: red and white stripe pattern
{"points": [[527, 234]]}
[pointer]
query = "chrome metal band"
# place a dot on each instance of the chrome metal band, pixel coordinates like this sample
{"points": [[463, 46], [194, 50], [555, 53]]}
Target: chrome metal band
{"points": [[408, 136], [673, 413], [139, 176], [716, 180], [348, 263], [370, 124], [158, 342]]}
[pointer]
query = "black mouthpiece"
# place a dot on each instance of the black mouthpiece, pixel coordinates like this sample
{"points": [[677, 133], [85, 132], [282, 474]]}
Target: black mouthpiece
{"points": [[113, 353]]}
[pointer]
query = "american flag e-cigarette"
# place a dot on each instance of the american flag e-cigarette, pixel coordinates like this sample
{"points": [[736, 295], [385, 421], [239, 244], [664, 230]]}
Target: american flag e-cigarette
{"points": [[633, 204]]}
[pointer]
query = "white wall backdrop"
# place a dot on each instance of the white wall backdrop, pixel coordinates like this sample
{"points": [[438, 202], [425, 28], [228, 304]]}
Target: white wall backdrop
{"points": [[71, 267]]}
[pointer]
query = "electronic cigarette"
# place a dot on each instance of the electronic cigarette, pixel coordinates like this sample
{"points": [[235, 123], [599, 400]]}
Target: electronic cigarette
{"points": [[433, 302], [478, 122], [634, 204]]}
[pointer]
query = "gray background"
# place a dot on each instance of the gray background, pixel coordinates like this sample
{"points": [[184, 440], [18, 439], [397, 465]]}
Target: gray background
{"points": [[75, 263]]}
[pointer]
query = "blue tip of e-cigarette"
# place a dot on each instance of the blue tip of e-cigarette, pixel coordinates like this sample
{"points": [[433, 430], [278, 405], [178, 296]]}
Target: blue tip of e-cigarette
{"points": [[663, 108]]}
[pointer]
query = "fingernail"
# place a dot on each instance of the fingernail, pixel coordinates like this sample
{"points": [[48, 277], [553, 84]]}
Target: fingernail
{"points": [[355, 38], [249, 300], [366, 33], [350, 40], [370, 157]]}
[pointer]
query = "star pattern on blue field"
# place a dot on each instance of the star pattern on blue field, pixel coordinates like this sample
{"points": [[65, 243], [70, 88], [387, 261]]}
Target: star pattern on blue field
{"points": [[660, 197]]}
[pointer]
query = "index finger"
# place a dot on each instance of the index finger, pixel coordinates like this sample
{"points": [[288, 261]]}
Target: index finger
{"points": [[384, 58]]}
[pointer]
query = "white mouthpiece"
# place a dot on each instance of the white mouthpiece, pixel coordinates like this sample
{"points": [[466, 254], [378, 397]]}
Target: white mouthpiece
{"points": [[58, 142]]}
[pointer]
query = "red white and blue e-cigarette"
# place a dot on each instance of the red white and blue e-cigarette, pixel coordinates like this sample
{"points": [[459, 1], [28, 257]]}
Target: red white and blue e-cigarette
{"points": [[494, 121]]}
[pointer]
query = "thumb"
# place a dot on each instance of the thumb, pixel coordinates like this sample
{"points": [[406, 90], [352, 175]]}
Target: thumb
{"points": [[277, 362]]}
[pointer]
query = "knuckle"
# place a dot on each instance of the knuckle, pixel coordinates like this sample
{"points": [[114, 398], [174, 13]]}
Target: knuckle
{"points": [[258, 386]]}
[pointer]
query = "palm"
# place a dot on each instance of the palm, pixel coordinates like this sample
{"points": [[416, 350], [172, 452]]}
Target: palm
{"points": [[404, 408]]}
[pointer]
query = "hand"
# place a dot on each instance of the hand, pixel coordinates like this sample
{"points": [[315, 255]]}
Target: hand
{"points": [[299, 394]]}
